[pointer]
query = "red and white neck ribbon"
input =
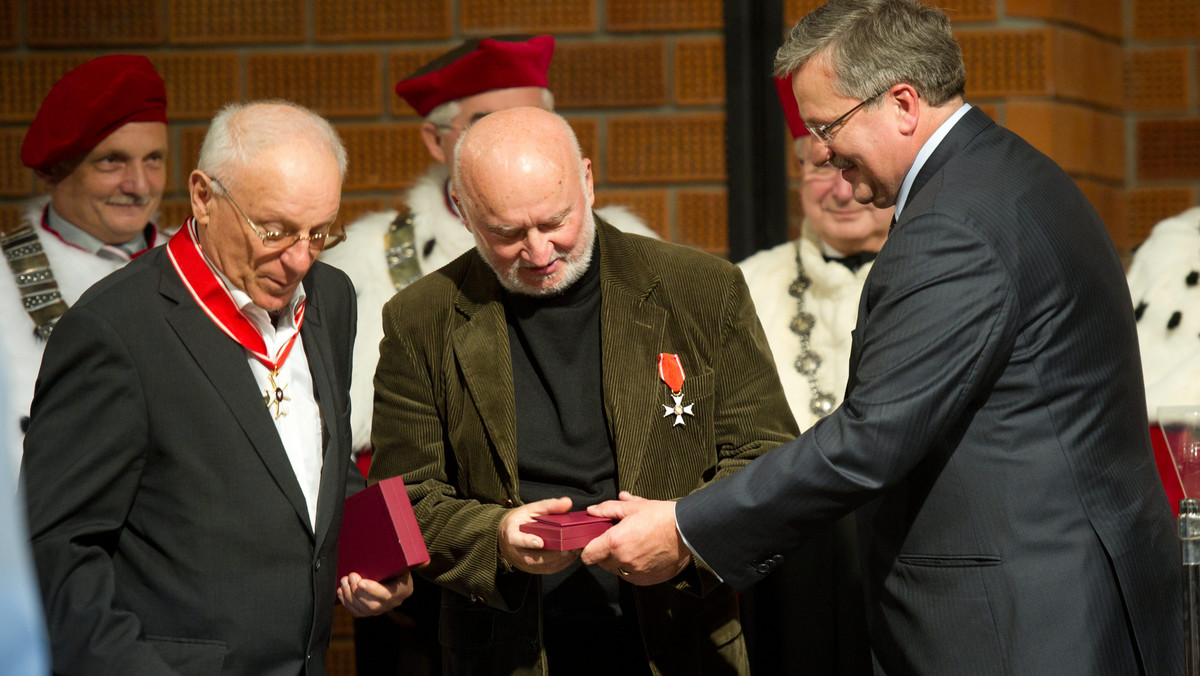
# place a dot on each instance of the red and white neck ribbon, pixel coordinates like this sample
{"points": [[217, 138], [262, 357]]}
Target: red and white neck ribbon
{"points": [[671, 372], [211, 295]]}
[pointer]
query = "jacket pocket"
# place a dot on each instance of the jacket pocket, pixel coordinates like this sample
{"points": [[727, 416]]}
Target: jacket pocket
{"points": [[190, 656], [949, 561]]}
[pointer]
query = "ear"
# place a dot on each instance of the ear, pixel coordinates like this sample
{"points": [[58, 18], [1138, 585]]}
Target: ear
{"points": [[459, 205], [201, 196], [432, 136], [907, 105], [587, 182]]}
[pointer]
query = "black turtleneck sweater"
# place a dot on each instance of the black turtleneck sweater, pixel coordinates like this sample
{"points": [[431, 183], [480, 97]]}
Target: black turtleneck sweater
{"points": [[563, 449]]}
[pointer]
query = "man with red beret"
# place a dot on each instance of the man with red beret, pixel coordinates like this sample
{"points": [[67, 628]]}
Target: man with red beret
{"points": [[99, 145]]}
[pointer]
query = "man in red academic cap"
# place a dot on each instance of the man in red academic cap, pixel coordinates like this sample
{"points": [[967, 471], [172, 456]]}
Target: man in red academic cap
{"points": [[99, 146], [819, 275]]}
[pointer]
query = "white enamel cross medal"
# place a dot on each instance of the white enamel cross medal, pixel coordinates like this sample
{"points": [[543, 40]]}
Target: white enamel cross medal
{"points": [[671, 372], [275, 396]]}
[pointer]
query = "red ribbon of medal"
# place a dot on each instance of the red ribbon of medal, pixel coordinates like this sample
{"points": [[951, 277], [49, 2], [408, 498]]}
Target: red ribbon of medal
{"points": [[670, 370], [211, 295]]}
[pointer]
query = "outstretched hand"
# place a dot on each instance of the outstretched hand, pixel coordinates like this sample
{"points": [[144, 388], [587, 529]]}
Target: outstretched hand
{"points": [[522, 550], [643, 547], [363, 597]]}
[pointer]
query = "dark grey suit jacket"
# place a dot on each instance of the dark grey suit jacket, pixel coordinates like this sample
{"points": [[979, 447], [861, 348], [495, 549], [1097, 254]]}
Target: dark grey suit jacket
{"points": [[995, 421], [169, 530]]}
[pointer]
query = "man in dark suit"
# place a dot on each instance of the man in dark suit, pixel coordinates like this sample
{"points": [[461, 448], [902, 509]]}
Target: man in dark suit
{"points": [[189, 445], [560, 362], [993, 424]]}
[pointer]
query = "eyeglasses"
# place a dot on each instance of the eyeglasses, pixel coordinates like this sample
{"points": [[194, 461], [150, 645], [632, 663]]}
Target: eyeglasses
{"points": [[283, 239], [825, 131]]}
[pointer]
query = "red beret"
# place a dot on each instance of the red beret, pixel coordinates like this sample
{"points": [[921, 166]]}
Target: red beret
{"points": [[478, 66], [791, 109], [89, 103]]}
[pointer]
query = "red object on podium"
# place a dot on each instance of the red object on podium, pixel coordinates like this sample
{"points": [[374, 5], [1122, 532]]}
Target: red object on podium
{"points": [[380, 537], [564, 532], [1166, 467]]}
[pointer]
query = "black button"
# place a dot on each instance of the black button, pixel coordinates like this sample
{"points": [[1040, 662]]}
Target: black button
{"points": [[509, 503]]}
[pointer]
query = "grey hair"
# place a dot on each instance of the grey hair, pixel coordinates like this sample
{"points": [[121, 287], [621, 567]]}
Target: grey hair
{"points": [[456, 170], [234, 139], [871, 45], [444, 114]]}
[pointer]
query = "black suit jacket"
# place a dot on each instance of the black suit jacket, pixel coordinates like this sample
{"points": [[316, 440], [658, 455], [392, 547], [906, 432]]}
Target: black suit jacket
{"points": [[995, 421], [169, 530]]}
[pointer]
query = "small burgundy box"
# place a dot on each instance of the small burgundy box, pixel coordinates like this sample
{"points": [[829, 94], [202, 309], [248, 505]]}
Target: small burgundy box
{"points": [[564, 532], [380, 537]]}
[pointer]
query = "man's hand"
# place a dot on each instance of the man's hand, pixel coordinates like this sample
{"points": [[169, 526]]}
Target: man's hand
{"points": [[643, 547], [363, 597], [523, 551]]}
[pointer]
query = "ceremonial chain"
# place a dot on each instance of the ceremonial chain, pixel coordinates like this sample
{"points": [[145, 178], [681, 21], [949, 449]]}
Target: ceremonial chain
{"points": [[822, 403]]}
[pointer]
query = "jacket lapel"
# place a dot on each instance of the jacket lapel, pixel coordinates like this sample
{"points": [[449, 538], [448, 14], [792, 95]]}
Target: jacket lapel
{"points": [[631, 337], [320, 364], [482, 351], [223, 362]]}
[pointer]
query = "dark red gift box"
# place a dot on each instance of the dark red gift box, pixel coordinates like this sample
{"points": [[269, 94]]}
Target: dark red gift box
{"points": [[380, 537], [564, 532]]}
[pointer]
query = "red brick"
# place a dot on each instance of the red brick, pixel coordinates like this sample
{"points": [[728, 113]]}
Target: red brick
{"points": [[628, 73], [190, 139], [1101, 16], [173, 212], [962, 11], [354, 207], [1168, 149], [28, 78], [76, 23], [1156, 79], [199, 22], [198, 83], [1083, 141], [959, 11], [10, 216], [1004, 63], [587, 131], [15, 179], [1086, 68], [491, 17], [648, 205], [383, 156], [367, 20], [794, 10], [667, 149], [1109, 201], [8, 23], [335, 84], [703, 219], [1166, 19], [624, 16], [700, 71], [1147, 206]]}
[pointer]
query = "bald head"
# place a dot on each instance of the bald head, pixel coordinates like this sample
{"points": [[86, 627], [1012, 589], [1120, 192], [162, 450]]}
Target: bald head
{"points": [[525, 192]]}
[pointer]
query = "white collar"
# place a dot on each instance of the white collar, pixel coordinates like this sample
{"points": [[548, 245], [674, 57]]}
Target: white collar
{"points": [[926, 150]]}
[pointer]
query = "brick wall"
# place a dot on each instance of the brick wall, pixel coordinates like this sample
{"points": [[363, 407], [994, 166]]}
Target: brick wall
{"points": [[1106, 87], [642, 83]]}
